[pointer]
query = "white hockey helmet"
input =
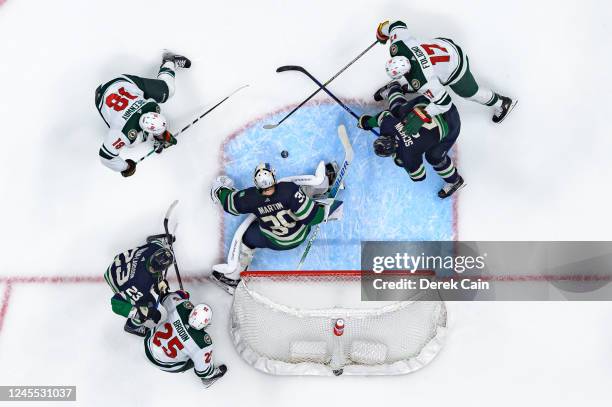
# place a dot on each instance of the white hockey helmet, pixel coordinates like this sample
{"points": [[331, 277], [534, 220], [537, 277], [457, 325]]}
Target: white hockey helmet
{"points": [[200, 316], [153, 123], [397, 67], [264, 176]]}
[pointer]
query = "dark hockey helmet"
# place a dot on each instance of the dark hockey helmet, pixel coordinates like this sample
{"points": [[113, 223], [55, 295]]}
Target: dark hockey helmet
{"points": [[160, 260], [385, 146]]}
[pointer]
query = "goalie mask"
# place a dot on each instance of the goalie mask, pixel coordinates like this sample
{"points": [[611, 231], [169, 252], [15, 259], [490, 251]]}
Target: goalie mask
{"points": [[152, 123], [397, 67], [160, 261], [264, 176], [200, 316]]}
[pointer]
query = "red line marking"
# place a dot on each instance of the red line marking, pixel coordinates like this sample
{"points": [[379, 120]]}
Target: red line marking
{"points": [[5, 301]]}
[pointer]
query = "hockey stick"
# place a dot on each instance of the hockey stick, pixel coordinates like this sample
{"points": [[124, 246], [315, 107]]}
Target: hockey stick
{"points": [[271, 126], [197, 119], [169, 238], [333, 191], [331, 95]]}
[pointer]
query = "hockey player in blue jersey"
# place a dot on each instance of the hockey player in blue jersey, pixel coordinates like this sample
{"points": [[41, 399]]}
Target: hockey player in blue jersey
{"points": [[407, 133], [280, 214], [136, 277]]}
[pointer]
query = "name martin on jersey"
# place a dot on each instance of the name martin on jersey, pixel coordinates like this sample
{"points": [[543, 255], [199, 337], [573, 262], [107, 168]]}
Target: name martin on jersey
{"points": [[264, 210]]}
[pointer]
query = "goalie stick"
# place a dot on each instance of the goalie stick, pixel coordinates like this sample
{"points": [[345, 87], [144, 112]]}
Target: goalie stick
{"points": [[196, 120], [331, 95], [313, 94], [333, 191]]}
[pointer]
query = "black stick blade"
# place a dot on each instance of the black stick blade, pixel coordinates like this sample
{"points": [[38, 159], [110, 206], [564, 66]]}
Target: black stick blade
{"points": [[285, 68]]}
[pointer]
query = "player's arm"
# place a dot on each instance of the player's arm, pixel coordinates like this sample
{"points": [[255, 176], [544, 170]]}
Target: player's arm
{"points": [[109, 154], [305, 209], [440, 100], [388, 28], [224, 193]]}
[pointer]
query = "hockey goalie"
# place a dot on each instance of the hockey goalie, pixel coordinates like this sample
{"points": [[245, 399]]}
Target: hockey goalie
{"points": [[280, 214]]}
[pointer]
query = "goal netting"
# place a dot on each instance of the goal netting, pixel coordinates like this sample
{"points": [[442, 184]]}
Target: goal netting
{"points": [[314, 323]]}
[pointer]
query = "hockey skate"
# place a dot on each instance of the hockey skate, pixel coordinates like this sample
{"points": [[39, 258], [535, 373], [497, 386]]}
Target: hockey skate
{"points": [[227, 284], [132, 328], [449, 189], [217, 374], [502, 112], [179, 60]]}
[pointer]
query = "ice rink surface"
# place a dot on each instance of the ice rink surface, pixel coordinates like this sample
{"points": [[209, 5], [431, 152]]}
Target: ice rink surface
{"points": [[541, 175]]}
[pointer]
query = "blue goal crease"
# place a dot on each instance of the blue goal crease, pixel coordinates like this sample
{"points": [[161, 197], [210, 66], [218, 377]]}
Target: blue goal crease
{"points": [[380, 200]]}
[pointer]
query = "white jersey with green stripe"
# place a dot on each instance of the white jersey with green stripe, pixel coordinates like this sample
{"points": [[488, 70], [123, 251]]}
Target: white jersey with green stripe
{"points": [[174, 343], [434, 64], [121, 104], [284, 217]]}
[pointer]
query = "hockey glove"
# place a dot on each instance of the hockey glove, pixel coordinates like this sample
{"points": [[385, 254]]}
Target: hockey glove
{"points": [[183, 294], [382, 32], [367, 122], [130, 170], [415, 120], [222, 181], [144, 314], [161, 288], [163, 141]]}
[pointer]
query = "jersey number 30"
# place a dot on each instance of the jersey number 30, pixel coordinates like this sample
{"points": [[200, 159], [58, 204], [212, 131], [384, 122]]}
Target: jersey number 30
{"points": [[120, 101], [172, 346]]}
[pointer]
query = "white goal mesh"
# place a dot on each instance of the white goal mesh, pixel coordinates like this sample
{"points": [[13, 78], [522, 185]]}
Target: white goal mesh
{"points": [[283, 323]]}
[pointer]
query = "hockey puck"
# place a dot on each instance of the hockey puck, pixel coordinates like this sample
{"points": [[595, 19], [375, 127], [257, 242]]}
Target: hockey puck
{"points": [[284, 154]]}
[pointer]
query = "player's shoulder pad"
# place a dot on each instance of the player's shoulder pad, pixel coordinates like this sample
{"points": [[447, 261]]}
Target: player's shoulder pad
{"points": [[287, 190], [247, 198], [200, 337]]}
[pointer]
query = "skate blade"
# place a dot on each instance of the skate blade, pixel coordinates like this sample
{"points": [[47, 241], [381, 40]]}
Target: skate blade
{"points": [[510, 109], [225, 287]]}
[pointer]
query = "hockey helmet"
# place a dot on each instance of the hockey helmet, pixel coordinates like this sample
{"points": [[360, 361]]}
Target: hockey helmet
{"points": [[200, 316], [152, 123], [160, 260], [397, 67], [385, 146], [264, 176]]}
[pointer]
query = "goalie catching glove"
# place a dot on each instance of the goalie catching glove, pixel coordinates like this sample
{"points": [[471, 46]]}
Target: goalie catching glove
{"points": [[221, 182]]}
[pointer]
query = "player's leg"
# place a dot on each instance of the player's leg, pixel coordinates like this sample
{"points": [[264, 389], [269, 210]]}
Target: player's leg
{"points": [[318, 184], [162, 88], [246, 239], [438, 157], [467, 87]]}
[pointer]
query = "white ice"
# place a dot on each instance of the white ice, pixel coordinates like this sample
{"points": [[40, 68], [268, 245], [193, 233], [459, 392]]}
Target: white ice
{"points": [[542, 175]]}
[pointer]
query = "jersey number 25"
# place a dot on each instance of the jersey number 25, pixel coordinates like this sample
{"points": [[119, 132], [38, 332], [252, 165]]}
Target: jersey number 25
{"points": [[172, 346]]}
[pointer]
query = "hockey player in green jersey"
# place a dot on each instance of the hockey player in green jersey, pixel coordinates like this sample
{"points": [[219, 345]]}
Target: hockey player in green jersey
{"points": [[129, 105], [280, 214], [427, 67], [180, 342]]}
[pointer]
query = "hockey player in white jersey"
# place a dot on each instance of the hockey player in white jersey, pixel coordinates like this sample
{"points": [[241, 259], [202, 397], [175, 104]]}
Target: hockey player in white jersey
{"points": [[129, 105], [427, 67], [180, 343], [280, 214]]}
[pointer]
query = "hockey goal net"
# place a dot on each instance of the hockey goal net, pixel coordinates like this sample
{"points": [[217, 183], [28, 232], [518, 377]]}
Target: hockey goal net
{"points": [[314, 323]]}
